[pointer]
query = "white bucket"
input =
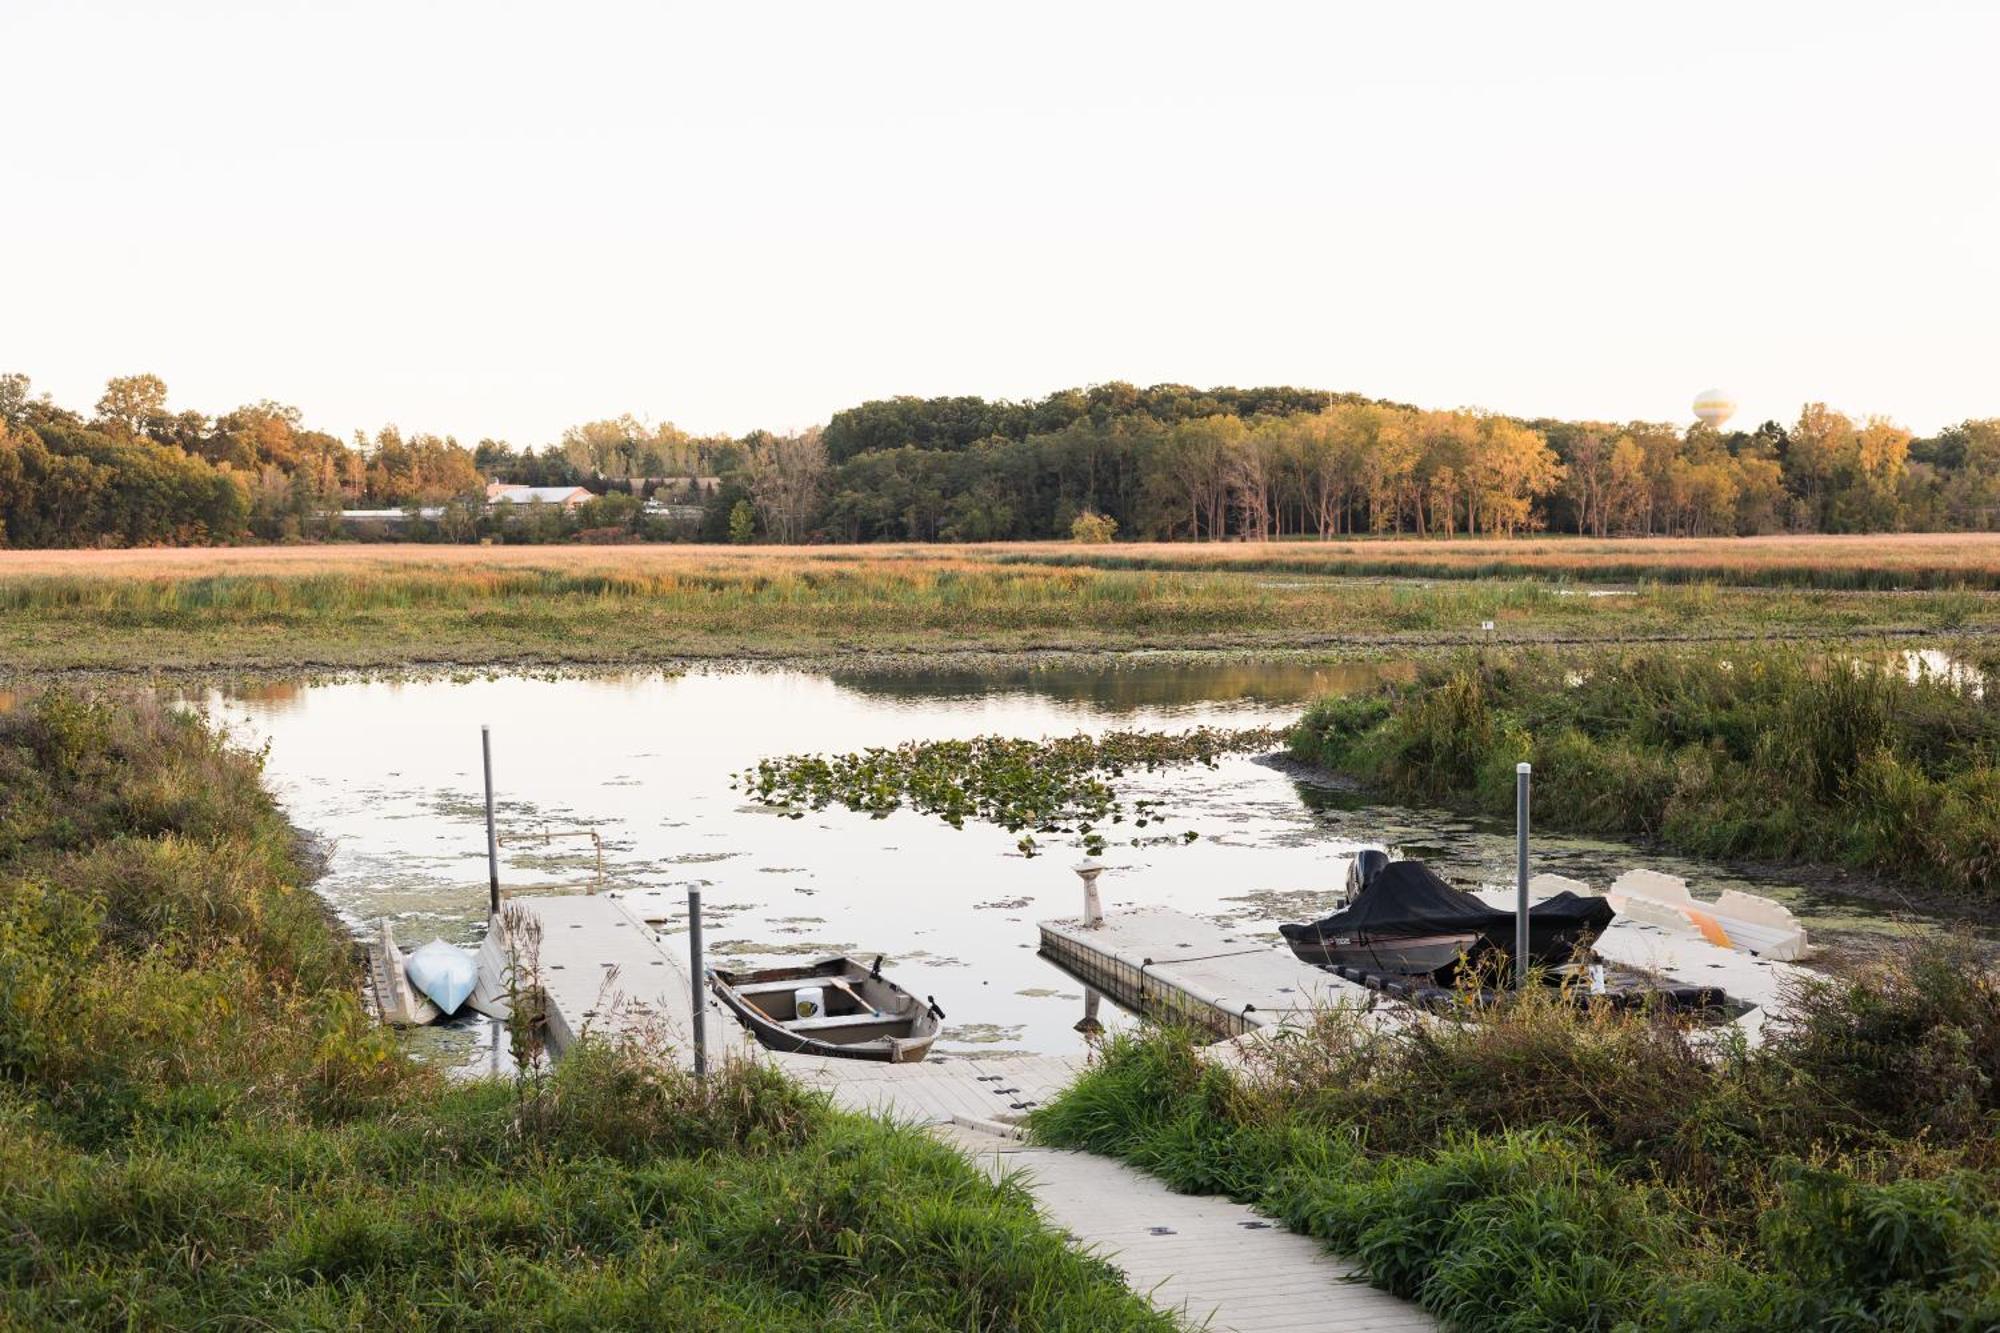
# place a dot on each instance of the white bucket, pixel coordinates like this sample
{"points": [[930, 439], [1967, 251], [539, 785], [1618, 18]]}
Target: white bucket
{"points": [[809, 1002]]}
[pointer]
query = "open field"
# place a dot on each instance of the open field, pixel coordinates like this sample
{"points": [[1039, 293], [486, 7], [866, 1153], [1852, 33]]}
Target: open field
{"points": [[279, 608], [1890, 561]]}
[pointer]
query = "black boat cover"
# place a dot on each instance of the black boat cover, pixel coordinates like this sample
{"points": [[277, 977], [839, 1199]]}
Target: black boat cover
{"points": [[1407, 898]]}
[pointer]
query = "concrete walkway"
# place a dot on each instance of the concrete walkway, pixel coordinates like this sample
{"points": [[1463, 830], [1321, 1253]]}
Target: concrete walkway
{"points": [[1217, 1264]]}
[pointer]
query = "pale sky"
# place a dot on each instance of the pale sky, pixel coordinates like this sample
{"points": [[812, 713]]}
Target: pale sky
{"points": [[491, 219]]}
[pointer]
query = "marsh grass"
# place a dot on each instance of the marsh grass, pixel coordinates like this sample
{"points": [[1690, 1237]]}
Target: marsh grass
{"points": [[362, 606], [1778, 754], [200, 1127], [1550, 1167]]}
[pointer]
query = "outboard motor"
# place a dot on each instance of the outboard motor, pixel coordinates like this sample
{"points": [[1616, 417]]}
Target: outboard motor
{"points": [[1367, 864]]}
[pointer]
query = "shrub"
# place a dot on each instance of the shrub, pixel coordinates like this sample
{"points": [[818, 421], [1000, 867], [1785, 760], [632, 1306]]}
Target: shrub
{"points": [[1093, 528]]}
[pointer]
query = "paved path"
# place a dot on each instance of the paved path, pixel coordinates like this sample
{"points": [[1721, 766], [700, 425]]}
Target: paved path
{"points": [[1210, 1260], [940, 1090]]}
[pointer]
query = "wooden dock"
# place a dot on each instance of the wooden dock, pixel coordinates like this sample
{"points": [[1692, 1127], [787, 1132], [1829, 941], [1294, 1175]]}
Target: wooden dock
{"points": [[1173, 967], [605, 971]]}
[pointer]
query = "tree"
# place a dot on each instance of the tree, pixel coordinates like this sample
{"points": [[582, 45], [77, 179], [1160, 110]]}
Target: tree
{"points": [[14, 398], [787, 479], [130, 401], [742, 523]]}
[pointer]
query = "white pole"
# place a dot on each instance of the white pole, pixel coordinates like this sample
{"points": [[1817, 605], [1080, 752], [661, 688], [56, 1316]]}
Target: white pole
{"points": [[1093, 907], [1522, 774]]}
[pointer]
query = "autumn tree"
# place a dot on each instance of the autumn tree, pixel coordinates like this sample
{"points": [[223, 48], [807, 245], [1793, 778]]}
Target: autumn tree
{"points": [[130, 401]]}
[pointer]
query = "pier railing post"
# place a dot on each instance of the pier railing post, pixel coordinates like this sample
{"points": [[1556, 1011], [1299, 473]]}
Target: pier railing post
{"points": [[1088, 870], [698, 982], [492, 842], [1522, 775]]}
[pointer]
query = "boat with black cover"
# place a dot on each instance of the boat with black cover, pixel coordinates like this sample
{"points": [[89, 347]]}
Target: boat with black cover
{"points": [[1406, 921]]}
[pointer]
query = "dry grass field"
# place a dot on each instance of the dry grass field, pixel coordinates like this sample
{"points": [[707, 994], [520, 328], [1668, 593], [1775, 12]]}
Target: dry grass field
{"points": [[271, 609], [1896, 560], [1926, 559]]}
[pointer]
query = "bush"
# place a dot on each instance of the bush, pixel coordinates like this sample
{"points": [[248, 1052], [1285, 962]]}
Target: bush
{"points": [[1093, 528]]}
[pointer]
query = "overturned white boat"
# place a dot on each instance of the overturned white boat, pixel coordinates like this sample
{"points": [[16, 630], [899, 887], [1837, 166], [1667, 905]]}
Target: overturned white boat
{"points": [[423, 986], [1741, 921]]}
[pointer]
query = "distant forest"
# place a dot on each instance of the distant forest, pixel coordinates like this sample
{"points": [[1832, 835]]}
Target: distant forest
{"points": [[1167, 462]]}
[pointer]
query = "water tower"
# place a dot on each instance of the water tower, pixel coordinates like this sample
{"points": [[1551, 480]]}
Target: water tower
{"points": [[1714, 407]]}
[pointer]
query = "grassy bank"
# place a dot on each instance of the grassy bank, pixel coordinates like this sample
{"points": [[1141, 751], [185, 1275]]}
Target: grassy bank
{"points": [[368, 607], [1555, 1170], [200, 1127], [1754, 753]]}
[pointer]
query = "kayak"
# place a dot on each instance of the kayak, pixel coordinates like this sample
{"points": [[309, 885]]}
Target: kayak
{"points": [[443, 972]]}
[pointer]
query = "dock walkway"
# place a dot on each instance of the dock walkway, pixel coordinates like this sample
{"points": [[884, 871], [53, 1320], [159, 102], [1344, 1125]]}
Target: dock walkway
{"points": [[1174, 967], [1218, 1264]]}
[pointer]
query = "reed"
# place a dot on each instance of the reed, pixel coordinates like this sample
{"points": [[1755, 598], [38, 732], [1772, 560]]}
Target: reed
{"points": [[364, 607], [1862, 759]]}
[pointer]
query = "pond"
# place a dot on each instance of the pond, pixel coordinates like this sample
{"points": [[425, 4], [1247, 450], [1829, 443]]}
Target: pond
{"points": [[386, 773]]}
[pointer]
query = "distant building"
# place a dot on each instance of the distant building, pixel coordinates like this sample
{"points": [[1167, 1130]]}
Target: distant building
{"points": [[388, 515], [567, 497]]}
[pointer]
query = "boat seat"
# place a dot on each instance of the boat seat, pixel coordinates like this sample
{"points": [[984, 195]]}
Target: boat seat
{"points": [[773, 987], [837, 1021]]}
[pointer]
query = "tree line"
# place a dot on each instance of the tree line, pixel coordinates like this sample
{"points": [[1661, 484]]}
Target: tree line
{"points": [[1167, 462]]}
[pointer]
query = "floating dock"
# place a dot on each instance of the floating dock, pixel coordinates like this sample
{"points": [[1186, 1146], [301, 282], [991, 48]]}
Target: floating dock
{"points": [[605, 971], [1173, 967]]}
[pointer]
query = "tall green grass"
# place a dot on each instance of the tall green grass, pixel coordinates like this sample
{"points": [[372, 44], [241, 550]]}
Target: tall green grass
{"points": [[1759, 753], [1551, 1169], [200, 1127]]}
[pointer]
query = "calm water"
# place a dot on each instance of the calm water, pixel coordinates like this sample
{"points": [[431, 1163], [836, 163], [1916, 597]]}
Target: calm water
{"points": [[388, 774]]}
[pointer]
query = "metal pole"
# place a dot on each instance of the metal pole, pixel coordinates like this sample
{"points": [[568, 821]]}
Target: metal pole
{"points": [[1522, 774], [492, 843], [698, 981]]}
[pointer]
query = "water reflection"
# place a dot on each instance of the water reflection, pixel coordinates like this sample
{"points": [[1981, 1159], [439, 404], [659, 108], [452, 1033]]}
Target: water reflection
{"points": [[1133, 687]]}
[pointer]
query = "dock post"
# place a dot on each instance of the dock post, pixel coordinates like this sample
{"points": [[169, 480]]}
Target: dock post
{"points": [[699, 982], [1088, 870], [1522, 776], [492, 842]]}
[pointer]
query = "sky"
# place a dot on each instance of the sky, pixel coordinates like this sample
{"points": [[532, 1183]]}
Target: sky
{"points": [[496, 220]]}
